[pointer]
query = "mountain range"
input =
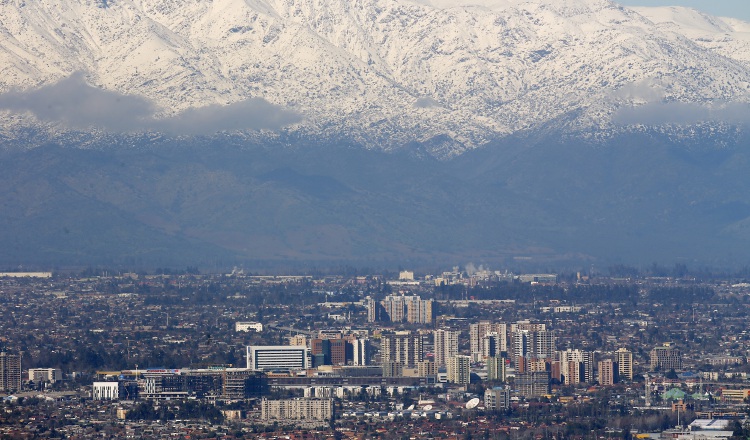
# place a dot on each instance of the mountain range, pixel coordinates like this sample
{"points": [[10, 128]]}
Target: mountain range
{"points": [[320, 132]]}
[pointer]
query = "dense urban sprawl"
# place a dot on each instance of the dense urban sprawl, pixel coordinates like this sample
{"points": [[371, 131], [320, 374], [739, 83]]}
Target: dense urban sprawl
{"points": [[461, 354]]}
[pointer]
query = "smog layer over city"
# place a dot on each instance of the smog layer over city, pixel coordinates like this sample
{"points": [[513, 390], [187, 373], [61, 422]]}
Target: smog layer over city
{"points": [[375, 219]]}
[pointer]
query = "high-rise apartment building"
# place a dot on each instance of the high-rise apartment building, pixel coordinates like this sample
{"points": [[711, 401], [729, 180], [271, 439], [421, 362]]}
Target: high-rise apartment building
{"points": [[374, 310], [491, 345], [528, 344], [607, 372], [393, 369], [446, 345], [532, 384], [419, 311], [495, 368], [403, 347], [543, 344], [360, 351], [528, 326], [400, 308], [299, 340], [520, 345], [624, 364], [459, 369], [10, 372], [497, 399], [487, 339], [426, 368], [576, 366], [395, 308]]}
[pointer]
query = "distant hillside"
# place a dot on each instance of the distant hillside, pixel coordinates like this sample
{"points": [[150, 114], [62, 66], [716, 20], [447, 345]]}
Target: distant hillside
{"points": [[641, 199]]}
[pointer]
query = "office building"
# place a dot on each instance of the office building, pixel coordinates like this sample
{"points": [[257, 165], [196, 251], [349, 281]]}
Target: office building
{"points": [[234, 382], [320, 352], [50, 375], [666, 357], [105, 391], [329, 351], [277, 357]]}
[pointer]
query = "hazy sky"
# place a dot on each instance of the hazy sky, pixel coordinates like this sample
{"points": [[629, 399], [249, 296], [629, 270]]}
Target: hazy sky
{"points": [[724, 8]]}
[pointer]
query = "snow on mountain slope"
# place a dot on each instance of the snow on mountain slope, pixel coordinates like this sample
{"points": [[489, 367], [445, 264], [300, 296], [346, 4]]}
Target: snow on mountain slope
{"points": [[382, 72], [727, 36]]}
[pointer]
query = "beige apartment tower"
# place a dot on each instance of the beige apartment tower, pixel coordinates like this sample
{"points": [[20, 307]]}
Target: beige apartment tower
{"points": [[446, 345], [487, 338], [459, 369], [624, 363], [404, 348]]}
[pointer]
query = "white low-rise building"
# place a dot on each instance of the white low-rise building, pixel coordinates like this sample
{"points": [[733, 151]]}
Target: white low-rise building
{"points": [[106, 391], [277, 357], [247, 326], [45, 374]]}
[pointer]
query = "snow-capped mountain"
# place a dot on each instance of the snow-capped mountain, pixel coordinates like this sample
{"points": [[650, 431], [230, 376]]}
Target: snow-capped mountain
{"points": [[381, 72], [727, 36]]}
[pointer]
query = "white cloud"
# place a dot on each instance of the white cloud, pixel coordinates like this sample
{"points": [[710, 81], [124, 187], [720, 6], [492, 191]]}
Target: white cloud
{"points": [[77, 105], [683, 113]]}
